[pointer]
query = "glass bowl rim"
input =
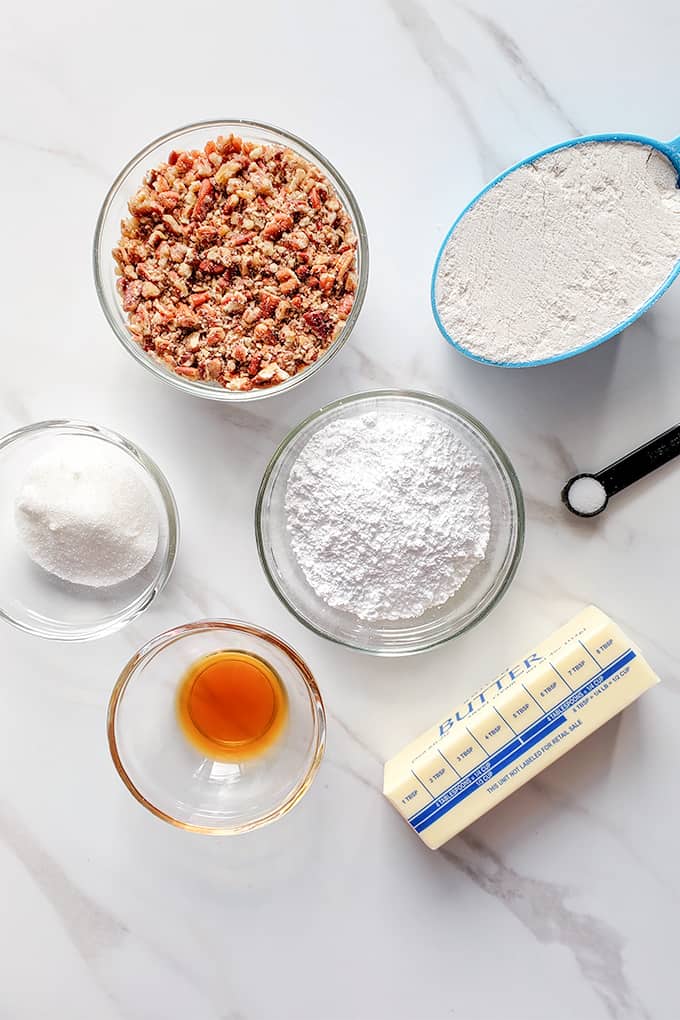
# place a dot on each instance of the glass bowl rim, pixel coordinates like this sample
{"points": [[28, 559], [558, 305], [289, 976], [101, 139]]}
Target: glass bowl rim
{"points": [[79, 427], [506, 468], [169, 637], [201, 389]]}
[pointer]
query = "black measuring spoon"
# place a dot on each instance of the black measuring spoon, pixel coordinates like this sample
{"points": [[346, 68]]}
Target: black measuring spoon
{"points": [[587, 495]]}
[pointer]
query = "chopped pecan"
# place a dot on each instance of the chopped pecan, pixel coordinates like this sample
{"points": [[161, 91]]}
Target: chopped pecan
{"points": [[243, 238], [233, 254], [213, 368], [194, 341], [254, 363], [239, 383], [263, 333], [132, 294], [228, 170], [169, 199], [144, 205], [216, 335], [211, 268], [320, 323], [271, 373], [204, 200], [326, 281], [277, 225], [345, 306], [288, 281], [172, 225], [343, 265], [186, 319], [268, 302]]}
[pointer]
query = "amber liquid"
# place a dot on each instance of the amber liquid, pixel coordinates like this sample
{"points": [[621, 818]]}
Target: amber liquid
{"points": [[231, 706]]}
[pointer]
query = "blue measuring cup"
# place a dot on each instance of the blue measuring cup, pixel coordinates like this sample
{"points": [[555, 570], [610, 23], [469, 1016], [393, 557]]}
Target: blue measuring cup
{"points": [[669, 149]]}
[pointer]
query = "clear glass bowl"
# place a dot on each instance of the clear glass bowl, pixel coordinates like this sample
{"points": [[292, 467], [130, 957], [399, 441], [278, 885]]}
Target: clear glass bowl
{"points": [[41, 604], [480, 592], [172, 779], [114, 209]]}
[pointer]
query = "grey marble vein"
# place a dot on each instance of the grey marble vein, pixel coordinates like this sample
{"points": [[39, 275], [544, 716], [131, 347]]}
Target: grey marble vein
{"points": [[561, 454], [252, 421], [356, 739], [651, 647], [553, 512], [511, 50], [562, 800], [14, 404], [370, 369], [211, 602], [542, 908], [650, 644], [445, 63], [91, 929], [347, 770], [73, 159]]}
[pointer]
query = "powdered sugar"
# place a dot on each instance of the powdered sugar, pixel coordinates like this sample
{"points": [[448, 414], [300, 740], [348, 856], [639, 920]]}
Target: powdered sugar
{"points": [[387, 514], [560, 252]]}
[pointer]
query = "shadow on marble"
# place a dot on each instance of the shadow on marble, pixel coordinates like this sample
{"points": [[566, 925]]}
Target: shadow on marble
{"points": [[548, 397], [185, 415], [267, 857]]}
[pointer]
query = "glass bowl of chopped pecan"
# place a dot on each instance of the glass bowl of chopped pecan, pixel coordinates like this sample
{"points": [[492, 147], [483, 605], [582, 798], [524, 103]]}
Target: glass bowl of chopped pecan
{"points": [[231, 259]]}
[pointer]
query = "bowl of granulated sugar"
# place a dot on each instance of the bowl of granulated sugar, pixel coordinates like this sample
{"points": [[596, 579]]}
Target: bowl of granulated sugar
{"points": [[88, 530], [390, 521]]}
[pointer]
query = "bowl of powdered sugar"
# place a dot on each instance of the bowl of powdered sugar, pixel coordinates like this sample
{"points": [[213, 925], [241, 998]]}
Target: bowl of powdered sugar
{"points": [[390, 521], [561, 252], [88, 530]]}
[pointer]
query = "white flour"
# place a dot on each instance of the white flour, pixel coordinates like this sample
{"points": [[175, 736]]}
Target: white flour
{"points": [[387, 515], [85, 515], [560, 252]]}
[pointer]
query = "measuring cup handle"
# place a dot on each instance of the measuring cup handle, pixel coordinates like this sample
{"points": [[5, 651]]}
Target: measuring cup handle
{"points": [[673, 150]]}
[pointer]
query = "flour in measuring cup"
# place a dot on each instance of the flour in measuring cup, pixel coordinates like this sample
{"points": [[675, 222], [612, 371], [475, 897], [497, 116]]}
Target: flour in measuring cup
{"points": [[560, 252], [387, 514]]}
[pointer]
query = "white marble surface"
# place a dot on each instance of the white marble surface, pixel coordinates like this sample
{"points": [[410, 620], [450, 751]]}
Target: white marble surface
{"points": [[563, 902]]}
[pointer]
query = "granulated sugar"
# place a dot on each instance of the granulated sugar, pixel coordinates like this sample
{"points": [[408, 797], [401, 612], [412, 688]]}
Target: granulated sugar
{"points": [[85, 515], [387, 515], [560, 252]]}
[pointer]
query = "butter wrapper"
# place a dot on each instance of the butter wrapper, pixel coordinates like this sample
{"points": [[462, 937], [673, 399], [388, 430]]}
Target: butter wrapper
{"points": [[509, 731]]}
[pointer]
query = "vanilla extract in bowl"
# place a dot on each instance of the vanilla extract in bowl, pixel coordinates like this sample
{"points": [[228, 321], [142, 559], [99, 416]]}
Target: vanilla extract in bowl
{"points": [[231, 706]]}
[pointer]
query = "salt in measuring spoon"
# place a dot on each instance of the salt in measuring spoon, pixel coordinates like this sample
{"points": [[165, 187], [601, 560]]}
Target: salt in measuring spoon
{"points": [[587, 495], [671, 150]]}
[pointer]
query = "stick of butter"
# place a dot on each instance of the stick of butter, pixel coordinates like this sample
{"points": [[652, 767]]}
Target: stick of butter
{"points": [[506, 733]]}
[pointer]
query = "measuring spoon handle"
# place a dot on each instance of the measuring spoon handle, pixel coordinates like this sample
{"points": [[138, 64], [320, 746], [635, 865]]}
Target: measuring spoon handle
{"points": [[641, 462]]}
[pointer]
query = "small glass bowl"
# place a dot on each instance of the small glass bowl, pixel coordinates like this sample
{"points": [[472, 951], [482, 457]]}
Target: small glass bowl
{"points": [[480, 592], [114, 209], [37, 602], [176, 782]]}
